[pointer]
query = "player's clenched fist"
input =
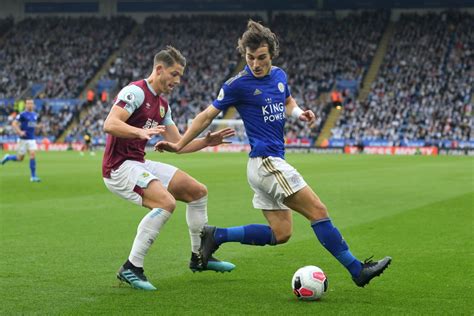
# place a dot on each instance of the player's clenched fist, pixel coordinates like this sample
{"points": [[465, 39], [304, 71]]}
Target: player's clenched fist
{"points": [[308, 116]]}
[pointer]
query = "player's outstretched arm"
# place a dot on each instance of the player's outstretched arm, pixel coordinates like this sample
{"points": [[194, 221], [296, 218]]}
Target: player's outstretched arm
{"points": [[211, 139], [172, 135], [292, 109], [200, 123], [115, 125]]}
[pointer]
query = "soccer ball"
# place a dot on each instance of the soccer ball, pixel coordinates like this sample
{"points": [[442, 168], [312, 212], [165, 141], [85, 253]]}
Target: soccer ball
{"points": [[309, 283]]}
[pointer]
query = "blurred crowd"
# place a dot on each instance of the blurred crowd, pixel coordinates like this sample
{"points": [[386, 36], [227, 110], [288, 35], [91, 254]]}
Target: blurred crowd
{"points": [[60, 54], [5, 25], [422, 91], [316, 52], [424, 87]]}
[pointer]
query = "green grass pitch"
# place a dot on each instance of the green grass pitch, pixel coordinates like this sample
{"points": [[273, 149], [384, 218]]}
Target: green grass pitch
{"points": [[63, 239]]}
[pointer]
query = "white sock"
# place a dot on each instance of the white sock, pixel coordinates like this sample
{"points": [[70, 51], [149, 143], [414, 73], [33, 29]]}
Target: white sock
{"points": [[147, 231], [196, 217]]}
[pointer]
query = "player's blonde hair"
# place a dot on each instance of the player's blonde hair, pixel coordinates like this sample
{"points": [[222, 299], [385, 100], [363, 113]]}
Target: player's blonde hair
{"points": [[257, 35], [169, 56]]}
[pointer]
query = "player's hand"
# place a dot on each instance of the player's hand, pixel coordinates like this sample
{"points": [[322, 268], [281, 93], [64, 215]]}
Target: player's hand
{"points": [[217, 138], [150, 132], [163, 146], [308, 116], [22, 133]]}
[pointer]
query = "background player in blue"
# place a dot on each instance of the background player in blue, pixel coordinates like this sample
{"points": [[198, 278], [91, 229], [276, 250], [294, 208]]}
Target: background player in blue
{"points": [[261, 95], [25, 125]]}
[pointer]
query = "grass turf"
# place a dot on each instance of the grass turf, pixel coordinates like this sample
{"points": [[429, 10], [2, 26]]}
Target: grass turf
{"points": [[63, 239]]}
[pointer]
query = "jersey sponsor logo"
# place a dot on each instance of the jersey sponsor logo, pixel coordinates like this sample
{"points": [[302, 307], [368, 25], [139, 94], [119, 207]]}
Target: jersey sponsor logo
{"points": [[281, 87], [162, 111], [220, 97], [148, 106], [150, 123], [257, 92], [273, 111]]}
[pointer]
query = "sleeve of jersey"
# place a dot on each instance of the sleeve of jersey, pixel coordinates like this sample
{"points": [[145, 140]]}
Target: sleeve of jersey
{"points": [[168, 120], [130, 98], [226, 98]]}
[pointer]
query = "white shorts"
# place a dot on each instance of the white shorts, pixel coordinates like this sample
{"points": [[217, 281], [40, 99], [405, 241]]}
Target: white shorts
{"points": [[129, 180], [25, 145], [272, 179]]}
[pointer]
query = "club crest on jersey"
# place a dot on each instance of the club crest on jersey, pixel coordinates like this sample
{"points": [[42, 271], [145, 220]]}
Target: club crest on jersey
{"points": [[162, 111], [148, 106], [281, 87], [220, 97]]}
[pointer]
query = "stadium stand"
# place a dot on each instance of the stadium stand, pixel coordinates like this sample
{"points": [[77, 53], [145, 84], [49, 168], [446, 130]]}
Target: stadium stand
{"points": [[53, 58], [5, 25], [316, 53], [422, 94]]}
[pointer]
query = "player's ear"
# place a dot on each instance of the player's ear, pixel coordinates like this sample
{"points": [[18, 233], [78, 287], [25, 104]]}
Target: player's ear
{"points": [[159, 69]]}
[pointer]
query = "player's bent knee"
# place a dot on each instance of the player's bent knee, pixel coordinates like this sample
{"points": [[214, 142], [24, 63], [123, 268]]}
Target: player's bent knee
{"points": [[169, 203], [165, 201], [320, 211], [196, 192], [199, 192]]}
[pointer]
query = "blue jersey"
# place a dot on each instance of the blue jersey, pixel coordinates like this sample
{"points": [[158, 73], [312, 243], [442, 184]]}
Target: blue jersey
{"points": [[261, 105], [27, 123]]}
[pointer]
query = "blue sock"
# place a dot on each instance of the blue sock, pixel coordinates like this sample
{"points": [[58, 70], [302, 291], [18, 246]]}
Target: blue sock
{"points": [[11, 157], [331, 239], [254, 234], [33, 167]]}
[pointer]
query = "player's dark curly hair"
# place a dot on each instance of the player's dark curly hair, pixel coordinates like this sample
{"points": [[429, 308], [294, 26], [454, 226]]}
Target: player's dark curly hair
{"points": [[169, 56], [257, 35]]}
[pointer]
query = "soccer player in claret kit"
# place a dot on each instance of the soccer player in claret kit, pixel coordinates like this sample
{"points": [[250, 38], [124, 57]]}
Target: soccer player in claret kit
{"points": [[25, 126], [262, 97], [139, 113]]}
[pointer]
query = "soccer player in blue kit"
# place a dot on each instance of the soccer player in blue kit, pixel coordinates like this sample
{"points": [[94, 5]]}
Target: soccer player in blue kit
{"points": [[261, 95], [25, 125]]}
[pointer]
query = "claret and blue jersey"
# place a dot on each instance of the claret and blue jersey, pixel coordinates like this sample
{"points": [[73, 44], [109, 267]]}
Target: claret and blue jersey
{"points": [[261, 105], [28, 122]]}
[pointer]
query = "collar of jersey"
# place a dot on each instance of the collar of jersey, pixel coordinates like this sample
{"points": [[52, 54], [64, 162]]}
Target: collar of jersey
{"points": [[263, 78], [150, 88]]}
